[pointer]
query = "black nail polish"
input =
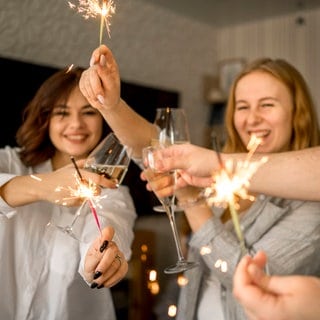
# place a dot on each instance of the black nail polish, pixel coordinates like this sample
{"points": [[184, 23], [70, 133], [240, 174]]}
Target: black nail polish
{"points": [[100, 287], [93, 285], [104, 245], [97, 275]]}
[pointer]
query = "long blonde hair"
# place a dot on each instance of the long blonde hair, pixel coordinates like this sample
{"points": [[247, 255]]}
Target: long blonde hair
{"points": [[305, 124]]}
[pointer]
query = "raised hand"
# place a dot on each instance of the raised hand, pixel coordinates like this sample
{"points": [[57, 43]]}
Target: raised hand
{"points": [[100, 83]]}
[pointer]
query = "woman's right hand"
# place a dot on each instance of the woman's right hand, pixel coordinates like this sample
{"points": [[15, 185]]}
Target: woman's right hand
{"points": [[59, 187]]}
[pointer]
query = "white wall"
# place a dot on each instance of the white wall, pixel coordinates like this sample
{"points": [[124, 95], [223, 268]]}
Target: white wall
{"points": [[279, 37], [156, 47], [152, 46]]}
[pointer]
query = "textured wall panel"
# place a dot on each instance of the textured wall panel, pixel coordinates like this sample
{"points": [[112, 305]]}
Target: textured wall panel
{"points": [[152, 45]]}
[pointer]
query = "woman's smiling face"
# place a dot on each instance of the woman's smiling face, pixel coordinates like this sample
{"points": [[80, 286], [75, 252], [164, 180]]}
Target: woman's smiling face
{"points": [[264, 107]]}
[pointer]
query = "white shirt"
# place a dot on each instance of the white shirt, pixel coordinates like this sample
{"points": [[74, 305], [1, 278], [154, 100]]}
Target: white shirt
{"points": [[40, 267]]}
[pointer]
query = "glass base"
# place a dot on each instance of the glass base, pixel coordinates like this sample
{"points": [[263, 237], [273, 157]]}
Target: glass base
{"points": [[67, 230], [180, 266], [161, 209]]}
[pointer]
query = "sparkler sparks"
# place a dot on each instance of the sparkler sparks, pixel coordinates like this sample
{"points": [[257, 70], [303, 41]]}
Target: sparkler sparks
{"points": [[231, 183], [86, 190], [89, 191], [93, 8]]}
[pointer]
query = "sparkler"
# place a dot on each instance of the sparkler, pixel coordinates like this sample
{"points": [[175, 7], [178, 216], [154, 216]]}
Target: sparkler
{"points": [[94, 8], [231, 183], [88, 191]]}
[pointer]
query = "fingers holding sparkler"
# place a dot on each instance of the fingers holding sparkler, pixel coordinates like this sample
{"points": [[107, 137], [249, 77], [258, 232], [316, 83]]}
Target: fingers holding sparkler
{"points": [[105, 264], [100, 83]]}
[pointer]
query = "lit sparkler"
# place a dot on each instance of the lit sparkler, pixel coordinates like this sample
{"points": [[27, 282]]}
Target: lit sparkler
{"points": [[231, 183], [87, 190], [93, 8]]}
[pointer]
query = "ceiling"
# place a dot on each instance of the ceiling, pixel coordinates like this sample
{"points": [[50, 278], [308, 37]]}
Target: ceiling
{"points": [[221, 13]]}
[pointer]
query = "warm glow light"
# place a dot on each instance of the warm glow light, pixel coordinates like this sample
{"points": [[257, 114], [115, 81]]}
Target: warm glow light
{"points": [[144, 248], [154, 287], [172, 310], [153, 275], [205, 250], [222, 265], [182, 281]]}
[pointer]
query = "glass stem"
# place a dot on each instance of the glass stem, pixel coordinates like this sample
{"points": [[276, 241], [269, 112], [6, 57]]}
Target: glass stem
{"points": [[171, 215], [76, 216]]}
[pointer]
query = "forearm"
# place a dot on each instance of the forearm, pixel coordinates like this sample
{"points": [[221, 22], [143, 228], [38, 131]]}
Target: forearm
{"points": [[131, 128], [293, 174], [20, 191]]}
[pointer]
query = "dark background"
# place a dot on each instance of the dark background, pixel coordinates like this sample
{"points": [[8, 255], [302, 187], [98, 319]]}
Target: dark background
{"points": [[20, 81]]}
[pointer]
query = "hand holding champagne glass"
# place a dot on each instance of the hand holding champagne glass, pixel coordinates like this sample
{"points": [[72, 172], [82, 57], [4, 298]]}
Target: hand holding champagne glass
{"points": [[111, 159], [173, 129]]}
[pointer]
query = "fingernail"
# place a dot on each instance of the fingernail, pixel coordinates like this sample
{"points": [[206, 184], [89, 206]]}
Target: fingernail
{"points": [[100, 287], [92, 61], [104, 245], [102, 60], [93, 285], [100, 98], [97, 275]]}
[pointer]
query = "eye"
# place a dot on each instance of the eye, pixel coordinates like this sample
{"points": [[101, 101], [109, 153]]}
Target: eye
{"points": [[267, 105], [90, 112], [60, 112], [241, 107]]}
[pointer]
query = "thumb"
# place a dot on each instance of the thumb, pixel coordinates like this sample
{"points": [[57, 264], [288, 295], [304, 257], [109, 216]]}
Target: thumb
{"points": [[97, 248]]}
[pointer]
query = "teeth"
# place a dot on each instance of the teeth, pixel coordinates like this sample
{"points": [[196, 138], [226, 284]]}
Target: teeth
{"points": [[76, 137], [260, 134]]}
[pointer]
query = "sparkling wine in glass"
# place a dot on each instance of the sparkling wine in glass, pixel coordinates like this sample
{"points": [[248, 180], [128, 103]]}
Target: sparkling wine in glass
{"points": [[173, 129], [111, 159]]}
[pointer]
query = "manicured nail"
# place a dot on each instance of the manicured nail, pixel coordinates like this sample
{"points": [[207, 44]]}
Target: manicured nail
{"points": [[92, 61], [102, 60], [100, 287], [93, 285], [100, 98], [104, 245], [97, 275]]}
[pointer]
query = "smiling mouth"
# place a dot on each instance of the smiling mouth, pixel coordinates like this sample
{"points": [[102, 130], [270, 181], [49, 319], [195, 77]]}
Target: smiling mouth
{"points": [[76, 137], [260, 134]]}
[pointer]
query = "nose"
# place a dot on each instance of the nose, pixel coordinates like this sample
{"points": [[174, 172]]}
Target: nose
{"points": [[76, 120], [254, 117]]}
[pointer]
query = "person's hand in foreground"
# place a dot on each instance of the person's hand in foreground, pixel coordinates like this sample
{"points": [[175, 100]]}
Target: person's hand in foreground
{"points": [[195, 164], [275, 297], [105, 265]]}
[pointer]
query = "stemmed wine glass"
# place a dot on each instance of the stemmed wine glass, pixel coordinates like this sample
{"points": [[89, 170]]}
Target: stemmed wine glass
{"points": [[165, 119], [173, 129], [111, 159]]}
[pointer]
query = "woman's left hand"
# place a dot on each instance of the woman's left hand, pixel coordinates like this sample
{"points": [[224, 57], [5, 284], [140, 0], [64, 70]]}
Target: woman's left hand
{"points": [[105, 265]]}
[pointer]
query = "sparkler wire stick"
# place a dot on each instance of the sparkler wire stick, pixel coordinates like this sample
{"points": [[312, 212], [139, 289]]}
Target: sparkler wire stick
{"points": [[76, 167], [102, 20], [236, 224], [231, 203]]}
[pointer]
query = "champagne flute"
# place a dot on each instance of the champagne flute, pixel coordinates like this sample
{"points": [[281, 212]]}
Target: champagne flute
{"points": [[173, 129], [111, 159]]}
